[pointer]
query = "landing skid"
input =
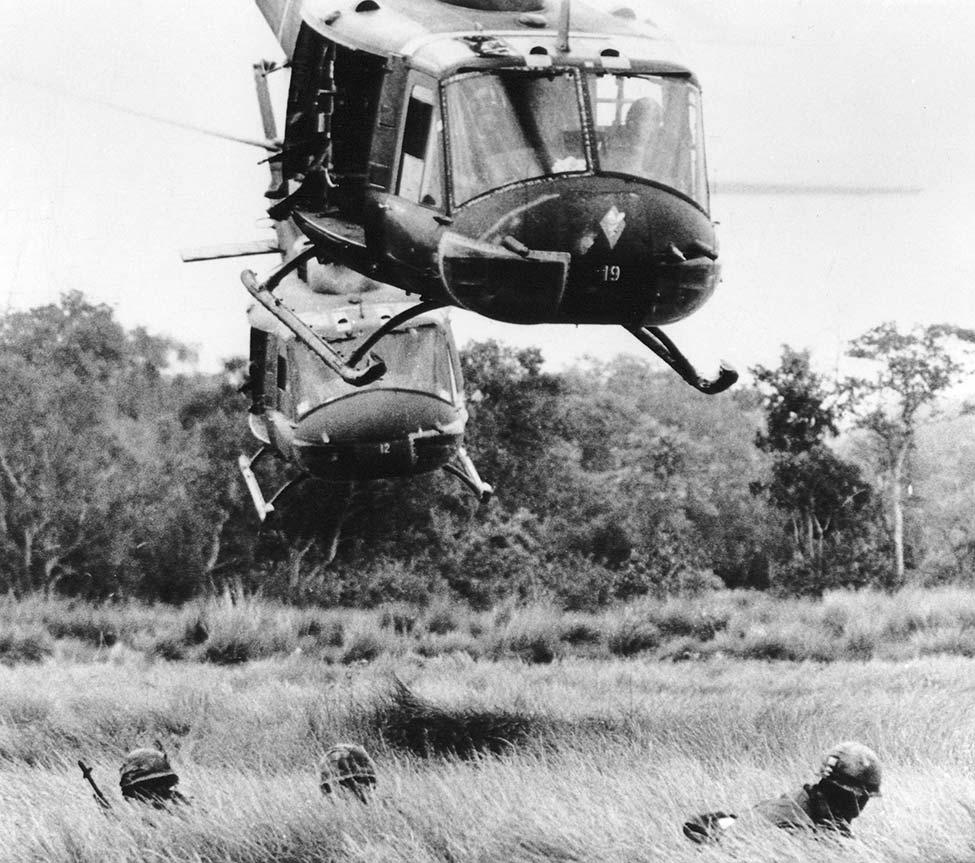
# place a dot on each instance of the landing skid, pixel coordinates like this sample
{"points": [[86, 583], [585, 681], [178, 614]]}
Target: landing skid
{"points": [[463, 468], [264, 507], [655, 339]]}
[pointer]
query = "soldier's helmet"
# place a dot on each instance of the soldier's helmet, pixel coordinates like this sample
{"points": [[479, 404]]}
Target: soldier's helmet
{"points": [[348, 766], [146, 765], [853, 767]]}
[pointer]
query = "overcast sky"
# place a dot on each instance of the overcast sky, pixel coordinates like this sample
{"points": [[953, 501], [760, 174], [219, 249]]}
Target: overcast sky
{"points": [[855, 92]]}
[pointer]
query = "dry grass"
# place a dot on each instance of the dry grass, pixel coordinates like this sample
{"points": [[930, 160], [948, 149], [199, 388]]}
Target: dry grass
{"points": [[232, 629], [611, 757]]}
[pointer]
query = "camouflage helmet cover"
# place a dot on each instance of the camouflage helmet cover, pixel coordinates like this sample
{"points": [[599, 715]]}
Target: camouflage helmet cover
{"points": [[346, 764], [144, 765], [854, 767]]}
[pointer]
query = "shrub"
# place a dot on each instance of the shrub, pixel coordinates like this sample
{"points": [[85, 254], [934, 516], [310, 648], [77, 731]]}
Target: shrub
{"points": [[442, 618], [363, 647], [87, 628], [453, 642], [687, 620], [768, 645], [835, 619], [19, 646], [580, 632], [170, 647], [633, 636], [406, 721], [230, 650], [683, 649], [532, 647], [195, 632], [326, 631], [240, 628], [860, 644], [401, 620], [959, 641]]}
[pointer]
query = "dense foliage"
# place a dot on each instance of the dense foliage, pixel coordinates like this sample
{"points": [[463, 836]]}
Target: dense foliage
{"points": [[118, 478]]}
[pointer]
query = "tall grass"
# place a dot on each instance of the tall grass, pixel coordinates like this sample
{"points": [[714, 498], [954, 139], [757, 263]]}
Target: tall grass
{"points": [[637, 748], [232, 629]]}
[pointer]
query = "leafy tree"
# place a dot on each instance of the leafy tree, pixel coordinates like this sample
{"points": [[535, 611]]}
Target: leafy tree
{"points": [[944, 493], [102, 490], [515, 422], [75, 385], [911, 372], [824, 497], [674, 466]]}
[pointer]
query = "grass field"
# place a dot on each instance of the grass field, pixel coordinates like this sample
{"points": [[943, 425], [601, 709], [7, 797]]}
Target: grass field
{"points": [[611, 756], [233, 629]]}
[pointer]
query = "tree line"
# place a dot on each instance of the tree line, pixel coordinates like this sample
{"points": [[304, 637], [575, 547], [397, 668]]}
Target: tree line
{"points": [[118, 478]]}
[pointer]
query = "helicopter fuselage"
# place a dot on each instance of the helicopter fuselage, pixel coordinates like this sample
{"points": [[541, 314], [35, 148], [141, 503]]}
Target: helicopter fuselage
{"points": [[468, 156], [408, 422]]}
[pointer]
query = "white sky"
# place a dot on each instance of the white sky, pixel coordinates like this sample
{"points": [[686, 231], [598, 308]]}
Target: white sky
{"points": [[858, 91]]}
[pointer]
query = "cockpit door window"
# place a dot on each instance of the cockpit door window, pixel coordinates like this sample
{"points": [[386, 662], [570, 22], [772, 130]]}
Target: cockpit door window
{"points": [[419, 169]]}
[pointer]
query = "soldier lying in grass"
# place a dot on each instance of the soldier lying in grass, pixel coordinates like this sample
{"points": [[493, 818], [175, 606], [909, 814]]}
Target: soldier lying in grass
{"points": [[144, 777], [849, 777], [348, 767]]}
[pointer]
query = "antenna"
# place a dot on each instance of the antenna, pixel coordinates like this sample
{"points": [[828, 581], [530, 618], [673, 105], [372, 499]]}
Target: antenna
{"points": [[563, 44]]}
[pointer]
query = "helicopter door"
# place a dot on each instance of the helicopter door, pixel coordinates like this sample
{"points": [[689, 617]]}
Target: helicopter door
{"points": [[282, 390], [408, 221], [419, 167]]}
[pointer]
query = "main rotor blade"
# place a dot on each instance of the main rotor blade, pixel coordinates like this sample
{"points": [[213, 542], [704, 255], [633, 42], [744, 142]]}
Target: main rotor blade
{"points": [[739, 187], [263, 143]]}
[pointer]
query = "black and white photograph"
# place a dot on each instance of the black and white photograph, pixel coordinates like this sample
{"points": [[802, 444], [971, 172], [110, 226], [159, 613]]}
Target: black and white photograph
{"points": [[487, 431]]}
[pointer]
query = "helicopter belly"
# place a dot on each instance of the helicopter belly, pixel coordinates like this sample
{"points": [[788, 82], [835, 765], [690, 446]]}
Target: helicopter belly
{"points": [[379, 433], [494, 276], [361, 460]]}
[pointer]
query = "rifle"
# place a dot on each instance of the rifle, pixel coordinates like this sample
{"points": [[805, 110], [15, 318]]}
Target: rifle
{"points": [[100, 798]]}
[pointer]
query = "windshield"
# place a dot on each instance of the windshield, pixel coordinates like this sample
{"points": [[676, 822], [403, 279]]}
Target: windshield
{"points": [[650, 126], [416, 359], [508, 126]]}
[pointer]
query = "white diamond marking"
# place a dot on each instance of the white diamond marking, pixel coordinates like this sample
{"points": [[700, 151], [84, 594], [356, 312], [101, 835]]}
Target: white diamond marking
{"points": [[613, 224]]}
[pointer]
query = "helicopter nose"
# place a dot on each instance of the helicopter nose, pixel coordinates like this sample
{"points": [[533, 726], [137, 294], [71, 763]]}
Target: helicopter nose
{"points": [[584, 250], [379, 433]]}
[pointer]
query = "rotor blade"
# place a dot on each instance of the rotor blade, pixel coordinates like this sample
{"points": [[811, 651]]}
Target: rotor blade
{"points": [[263, 143], [737, 187]]}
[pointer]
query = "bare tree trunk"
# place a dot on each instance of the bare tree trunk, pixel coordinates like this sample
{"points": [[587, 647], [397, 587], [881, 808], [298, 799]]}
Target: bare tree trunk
{"points": [[28, 560], [216, 538], [331, 547], [897, 511], [295, 557]]}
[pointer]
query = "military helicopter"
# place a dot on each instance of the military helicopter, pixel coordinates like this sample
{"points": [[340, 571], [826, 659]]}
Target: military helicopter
{"points": [[403, 414], [486, 154]]}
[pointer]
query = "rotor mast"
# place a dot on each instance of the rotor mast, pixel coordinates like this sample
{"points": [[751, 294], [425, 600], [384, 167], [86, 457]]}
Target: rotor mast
{"points": [[563, 43]]}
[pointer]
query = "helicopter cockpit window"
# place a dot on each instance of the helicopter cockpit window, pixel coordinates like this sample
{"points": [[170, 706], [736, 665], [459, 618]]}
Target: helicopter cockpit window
{"points": [[417, 359], [508, 126], [650, 126], [419, 172]]}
